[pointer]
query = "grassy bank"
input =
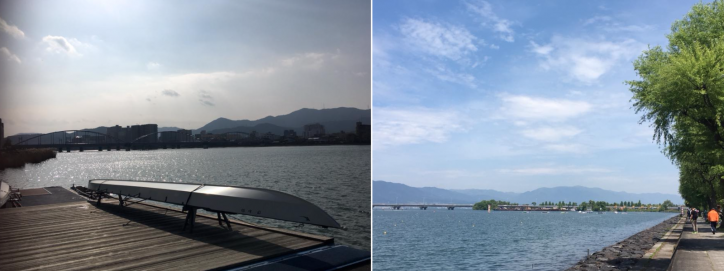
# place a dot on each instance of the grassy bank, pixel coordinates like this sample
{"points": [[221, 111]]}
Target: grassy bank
{"points": [[18, 158]]}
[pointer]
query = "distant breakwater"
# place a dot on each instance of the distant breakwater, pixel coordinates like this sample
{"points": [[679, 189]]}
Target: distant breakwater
{"points": [[12, 158], [625, 254]]}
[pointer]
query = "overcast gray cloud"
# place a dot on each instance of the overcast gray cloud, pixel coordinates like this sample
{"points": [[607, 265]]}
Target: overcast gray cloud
{"points": [[253, 59], [205, 98], [170, 92]]}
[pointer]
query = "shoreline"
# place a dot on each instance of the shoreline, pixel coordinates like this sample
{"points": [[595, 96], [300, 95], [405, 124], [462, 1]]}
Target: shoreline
{"points": [[625, 254], [14, 158]]}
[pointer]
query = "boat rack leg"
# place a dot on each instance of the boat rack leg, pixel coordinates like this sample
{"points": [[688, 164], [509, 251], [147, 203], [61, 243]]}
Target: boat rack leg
{"points": [[133, 202], [123, 202], [226, 219], [100, 196], [190, 219]]}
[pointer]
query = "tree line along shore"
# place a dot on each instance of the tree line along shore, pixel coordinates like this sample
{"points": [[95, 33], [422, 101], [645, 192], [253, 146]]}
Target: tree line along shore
{"points": [[13, 158], [681, 94], [596, 206]]}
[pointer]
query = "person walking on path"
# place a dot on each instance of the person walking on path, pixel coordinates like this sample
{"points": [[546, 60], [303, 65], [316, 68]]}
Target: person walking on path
{"points": [[688, 214], [694, 217], [713, 217]]}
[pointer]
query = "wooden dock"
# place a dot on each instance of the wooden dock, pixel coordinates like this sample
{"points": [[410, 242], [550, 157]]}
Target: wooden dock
{"points": [[82, 236]]}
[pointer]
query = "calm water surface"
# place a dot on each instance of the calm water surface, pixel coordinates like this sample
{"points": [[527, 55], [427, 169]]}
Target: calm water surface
{"points": [[478, 240], [336, 178]]}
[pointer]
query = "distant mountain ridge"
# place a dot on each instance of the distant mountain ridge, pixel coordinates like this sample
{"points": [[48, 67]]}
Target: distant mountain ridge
{"points": [[333, 119], [388, 192]]}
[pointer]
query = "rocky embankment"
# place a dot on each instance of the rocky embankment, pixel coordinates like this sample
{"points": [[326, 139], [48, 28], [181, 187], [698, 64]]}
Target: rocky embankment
{"points": [[624, 255]]}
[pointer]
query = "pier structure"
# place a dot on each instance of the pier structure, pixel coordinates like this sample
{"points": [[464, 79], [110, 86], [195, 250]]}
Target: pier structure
{"points": [[57, 229]]}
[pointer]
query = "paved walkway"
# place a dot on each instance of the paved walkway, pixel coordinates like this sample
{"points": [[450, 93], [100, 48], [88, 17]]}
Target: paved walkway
{"points": [[701, 252]]}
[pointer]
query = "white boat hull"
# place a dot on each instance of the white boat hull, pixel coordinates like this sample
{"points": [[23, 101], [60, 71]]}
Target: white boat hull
{"points": [[226, 199], [4, 193]]}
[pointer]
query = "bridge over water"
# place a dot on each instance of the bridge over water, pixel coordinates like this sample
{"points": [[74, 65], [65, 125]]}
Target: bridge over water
{"points": [[424, 206]]}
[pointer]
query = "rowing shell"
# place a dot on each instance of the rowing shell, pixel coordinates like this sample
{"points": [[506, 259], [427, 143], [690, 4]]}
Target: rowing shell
{"points": [[4, 193], [227, 199]]}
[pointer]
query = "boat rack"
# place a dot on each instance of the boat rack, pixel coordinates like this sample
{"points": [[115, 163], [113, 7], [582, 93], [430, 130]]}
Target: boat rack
{"points": [[191, 218], [124, 202]]}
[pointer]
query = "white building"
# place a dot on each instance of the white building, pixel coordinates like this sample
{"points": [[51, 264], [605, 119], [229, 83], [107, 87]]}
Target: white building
{"points": [[313, 130]]}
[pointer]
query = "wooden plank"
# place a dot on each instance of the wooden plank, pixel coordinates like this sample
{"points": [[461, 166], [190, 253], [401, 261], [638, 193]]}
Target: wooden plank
{"points": [[77, 236]]}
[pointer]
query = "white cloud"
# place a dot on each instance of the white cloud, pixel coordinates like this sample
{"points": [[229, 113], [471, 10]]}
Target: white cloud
{"points": [[58, 44], [553, 170], [452, 42], [532, 108], [311, 60], [453, 174], [585, 60], [415, 125], [11, 29], [626, 28], [448, 75], [541, 49], [491, 20], [596, 19], [10, 56], [551, 133], [608, 24], [153, 66], [564, 147]]}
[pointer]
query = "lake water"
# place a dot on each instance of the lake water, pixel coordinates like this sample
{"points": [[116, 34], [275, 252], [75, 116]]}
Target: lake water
{"points": [[336, 178], [478, 240]]}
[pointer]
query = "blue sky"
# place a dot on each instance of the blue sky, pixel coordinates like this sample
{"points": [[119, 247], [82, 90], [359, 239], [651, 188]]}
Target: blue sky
{"points": [[82, 64], [516, 95]]}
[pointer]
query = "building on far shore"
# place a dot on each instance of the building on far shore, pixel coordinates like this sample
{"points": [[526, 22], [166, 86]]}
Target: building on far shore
{"points": [[290, 133], [145, 129], [363, 131], [117, 133], [313, 130], [184, 135], [168, 136]]}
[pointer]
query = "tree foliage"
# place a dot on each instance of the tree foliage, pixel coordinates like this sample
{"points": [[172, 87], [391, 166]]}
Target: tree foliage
{"points": [[483, 205], [681, 93]]}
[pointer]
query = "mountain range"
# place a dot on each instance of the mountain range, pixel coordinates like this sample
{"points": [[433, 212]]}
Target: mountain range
{"points": [[388, 192], [333, 119]]}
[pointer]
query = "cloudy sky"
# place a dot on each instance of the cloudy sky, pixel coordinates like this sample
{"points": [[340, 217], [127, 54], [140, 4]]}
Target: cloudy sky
{"points": [[83, 64], [516, 95]]}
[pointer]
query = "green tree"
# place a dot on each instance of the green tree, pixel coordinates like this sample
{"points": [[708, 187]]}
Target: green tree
{"points": [[685, 82], [681, 92]]}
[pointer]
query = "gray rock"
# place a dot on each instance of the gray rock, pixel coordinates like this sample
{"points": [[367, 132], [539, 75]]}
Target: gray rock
{"points": [[623, 255]]}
